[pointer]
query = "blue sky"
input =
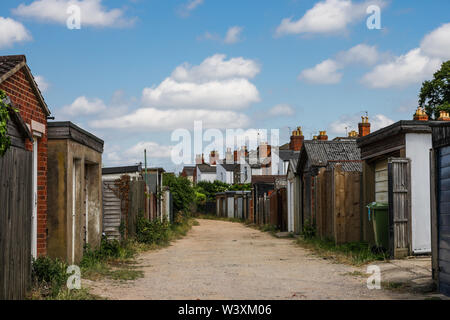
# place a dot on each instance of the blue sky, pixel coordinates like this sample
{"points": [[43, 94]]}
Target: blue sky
{"points": [[138, 69]]}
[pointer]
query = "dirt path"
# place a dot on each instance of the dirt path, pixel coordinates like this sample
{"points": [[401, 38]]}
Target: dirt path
{"points": [[224, 260]]}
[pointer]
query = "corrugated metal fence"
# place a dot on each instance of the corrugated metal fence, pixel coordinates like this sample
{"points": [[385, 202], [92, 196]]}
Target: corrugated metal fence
{"points": [[112, 208]]}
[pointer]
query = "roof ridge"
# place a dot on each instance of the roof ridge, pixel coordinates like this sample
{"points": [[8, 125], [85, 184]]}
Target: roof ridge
{"points": [[16, 57]]}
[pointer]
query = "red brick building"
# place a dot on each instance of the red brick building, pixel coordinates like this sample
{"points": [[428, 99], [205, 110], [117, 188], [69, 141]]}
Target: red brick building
{"points": [[19, 84]]}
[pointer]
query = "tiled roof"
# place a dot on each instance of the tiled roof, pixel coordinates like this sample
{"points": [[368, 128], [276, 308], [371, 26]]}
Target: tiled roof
{"points": [[9, 65], [189, 170], [206, 168], [127, 169], [286, 155], [266, 179], [229, 167], [328, 153]]}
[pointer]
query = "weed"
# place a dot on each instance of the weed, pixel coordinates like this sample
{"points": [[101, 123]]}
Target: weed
{"points": [[354, 253], [213, 217]]}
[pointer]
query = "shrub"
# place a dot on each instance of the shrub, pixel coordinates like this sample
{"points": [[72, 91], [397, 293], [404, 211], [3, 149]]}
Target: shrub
{"points": [[182, 192], [152, 232], [309, 231], [108, 250], [49, 274]]}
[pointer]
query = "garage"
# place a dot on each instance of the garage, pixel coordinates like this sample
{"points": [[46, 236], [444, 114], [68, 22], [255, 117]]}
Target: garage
{"points": [[440, 202]]}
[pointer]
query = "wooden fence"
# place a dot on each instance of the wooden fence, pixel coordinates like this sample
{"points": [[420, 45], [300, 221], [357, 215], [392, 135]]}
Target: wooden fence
{"points": [[15, 223], [338, 206], [278, 209]]}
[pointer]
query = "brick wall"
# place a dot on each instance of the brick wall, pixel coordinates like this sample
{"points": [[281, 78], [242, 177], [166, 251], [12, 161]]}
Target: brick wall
{"points": [[18, 88]]}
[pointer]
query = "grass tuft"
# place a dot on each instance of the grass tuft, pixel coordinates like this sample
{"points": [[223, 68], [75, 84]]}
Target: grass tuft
{"points": [[354, 253]]}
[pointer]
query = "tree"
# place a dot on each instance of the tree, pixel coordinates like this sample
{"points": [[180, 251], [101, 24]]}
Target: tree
{"points": [[182, 192], [435, 94]]}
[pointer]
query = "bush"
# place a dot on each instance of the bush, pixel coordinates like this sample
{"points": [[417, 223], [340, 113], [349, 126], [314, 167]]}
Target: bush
{"points": [[49, 274], [309, 231], [182, 192], [152, 232], [108, 250]]}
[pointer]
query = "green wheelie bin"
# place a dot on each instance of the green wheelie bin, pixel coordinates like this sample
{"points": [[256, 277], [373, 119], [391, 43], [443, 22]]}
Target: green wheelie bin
{"points": [[379, 213]]}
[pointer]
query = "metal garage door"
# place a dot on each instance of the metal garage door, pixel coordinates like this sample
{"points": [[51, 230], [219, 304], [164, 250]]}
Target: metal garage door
{"points": [[444, 218]]}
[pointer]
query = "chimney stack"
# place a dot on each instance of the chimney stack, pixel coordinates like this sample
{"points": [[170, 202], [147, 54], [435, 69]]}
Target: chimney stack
{"points": [[264, 150], [297, 139], [364, 127], [322, 136], [420, 115], [213, 157], [229, 156], [199, 159], [443, 116]]}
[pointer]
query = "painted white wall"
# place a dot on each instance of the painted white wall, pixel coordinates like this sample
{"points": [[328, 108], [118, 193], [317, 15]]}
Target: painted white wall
{"points": [[256, 171], [224, 175], [206, 176], [243, 167], [230, 207], [417, 147], [290, 203]]}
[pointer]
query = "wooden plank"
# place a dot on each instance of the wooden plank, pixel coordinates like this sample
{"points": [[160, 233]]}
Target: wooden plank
{"points": [[15, 223]]}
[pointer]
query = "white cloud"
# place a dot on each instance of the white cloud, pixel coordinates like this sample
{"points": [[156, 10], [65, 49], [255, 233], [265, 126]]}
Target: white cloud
{"points": [[404, 70], [437, 43], [42, 83], [115, 155], [12, 32], [416, 65], [327, 17], [152, 119], [233, 35], [216, 68], [350, 122], [325, 72], [361, 53], [154, 150], [93, 13], [214, 84], [233, 93], [84, 106], [186, 9], [281, 110]]}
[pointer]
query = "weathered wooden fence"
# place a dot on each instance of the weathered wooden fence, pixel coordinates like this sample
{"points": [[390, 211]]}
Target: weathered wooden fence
{"points": [[399, 196], [338, 206], [15, 223], [138, 202], [278, 209]]}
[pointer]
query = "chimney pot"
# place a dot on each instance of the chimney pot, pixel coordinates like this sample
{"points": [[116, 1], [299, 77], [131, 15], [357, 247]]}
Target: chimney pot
{"points": [[444, 116], [420, 115], [322, 136]]}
